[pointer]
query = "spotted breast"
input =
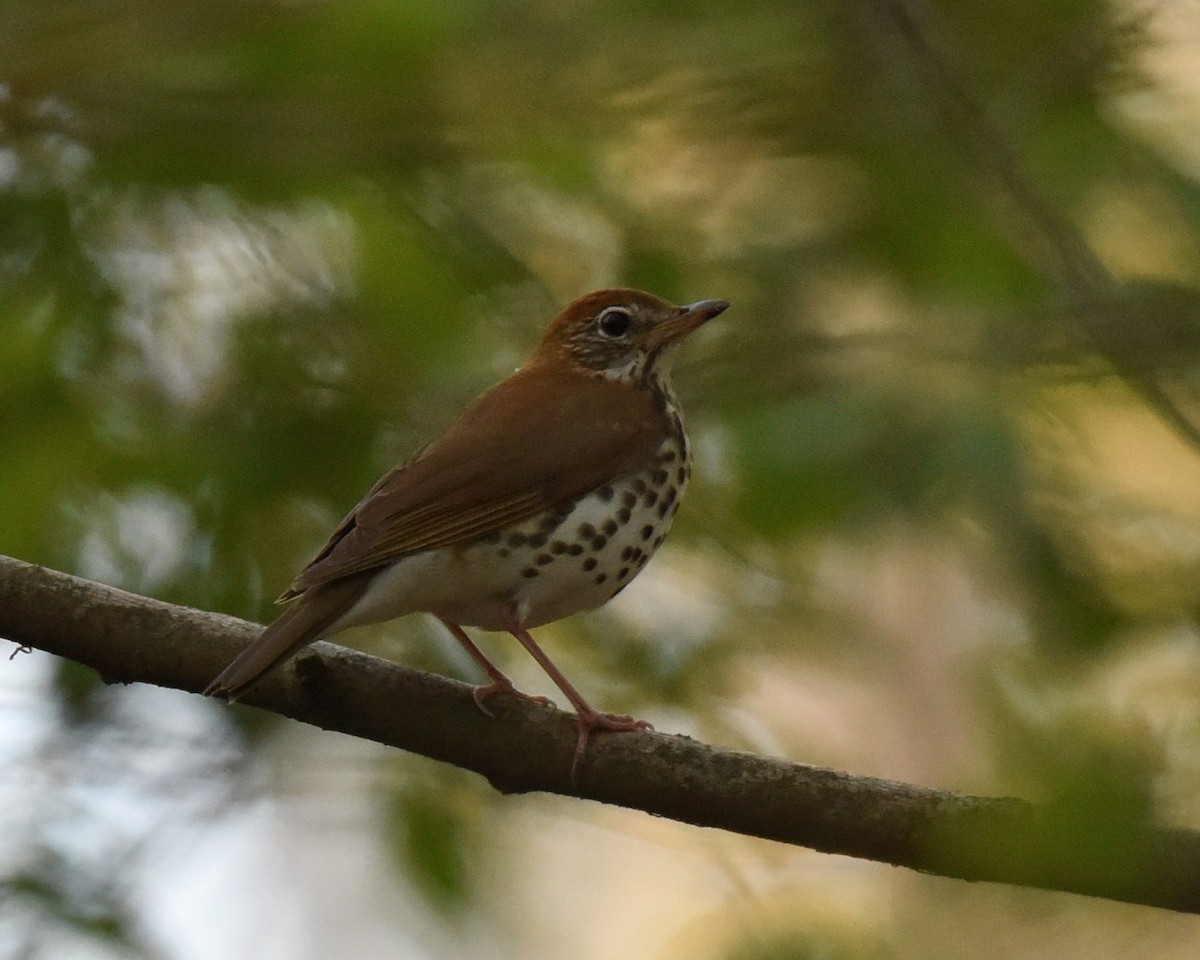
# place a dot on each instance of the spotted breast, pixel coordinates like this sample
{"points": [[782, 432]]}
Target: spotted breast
{"points": [[580, 557]]}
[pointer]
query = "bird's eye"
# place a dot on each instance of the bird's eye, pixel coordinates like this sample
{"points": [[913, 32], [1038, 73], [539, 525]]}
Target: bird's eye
{"points": [[614, 322]]}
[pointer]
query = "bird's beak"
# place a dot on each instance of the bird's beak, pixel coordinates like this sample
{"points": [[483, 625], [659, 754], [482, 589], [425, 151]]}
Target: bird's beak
{"points": [[694, 315]]}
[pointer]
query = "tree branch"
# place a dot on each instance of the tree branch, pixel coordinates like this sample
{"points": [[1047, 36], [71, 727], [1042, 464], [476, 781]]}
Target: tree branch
{"points": [[129, 638]]}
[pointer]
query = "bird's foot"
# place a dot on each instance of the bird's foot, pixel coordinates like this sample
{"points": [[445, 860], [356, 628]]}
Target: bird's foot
{"points": [[594, 720], [482, 692]]}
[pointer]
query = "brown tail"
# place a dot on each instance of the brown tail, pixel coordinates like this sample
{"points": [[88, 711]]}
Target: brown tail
{"points": [[298, 626]]}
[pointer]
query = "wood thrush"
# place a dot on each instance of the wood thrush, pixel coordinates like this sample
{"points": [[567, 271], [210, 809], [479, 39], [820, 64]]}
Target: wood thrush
{"points": [[546, 496]]}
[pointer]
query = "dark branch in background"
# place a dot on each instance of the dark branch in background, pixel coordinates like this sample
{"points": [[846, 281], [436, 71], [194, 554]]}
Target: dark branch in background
{"points": [[1121, 322], [966, 122], [129, 638]]}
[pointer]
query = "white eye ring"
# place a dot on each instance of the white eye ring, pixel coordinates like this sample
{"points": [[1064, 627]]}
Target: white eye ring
{"points": [[614, 322]]}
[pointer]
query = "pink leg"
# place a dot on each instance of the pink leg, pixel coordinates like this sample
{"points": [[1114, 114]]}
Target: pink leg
{"points": [[498, 680], [589, 717]]}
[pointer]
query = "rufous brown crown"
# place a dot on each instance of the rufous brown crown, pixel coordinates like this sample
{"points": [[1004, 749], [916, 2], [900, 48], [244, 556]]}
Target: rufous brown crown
{"points": [[622, 333]]}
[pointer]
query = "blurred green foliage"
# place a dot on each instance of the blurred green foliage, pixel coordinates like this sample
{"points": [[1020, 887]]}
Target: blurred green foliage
{"points": [[434, 828]]}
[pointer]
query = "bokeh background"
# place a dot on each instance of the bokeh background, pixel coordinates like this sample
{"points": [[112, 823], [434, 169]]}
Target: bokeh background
{"points": [[254, 253]]}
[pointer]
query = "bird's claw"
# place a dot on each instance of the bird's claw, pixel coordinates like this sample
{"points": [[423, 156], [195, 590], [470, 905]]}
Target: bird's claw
{"points": [[483, 692], [603, 723]]}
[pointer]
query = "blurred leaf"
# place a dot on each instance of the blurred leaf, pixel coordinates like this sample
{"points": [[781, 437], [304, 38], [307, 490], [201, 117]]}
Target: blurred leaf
{"points": [[91, 920], [822, 942], [432, 836], [1070, 612], [849, 456], [80, 691], [227, 91]]}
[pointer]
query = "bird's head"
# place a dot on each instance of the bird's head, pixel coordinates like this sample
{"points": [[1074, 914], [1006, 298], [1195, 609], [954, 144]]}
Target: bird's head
{"points": [[627, 335]]}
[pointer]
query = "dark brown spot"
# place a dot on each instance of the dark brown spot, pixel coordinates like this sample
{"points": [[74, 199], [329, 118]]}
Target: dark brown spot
{"points": [[589, 564], [502, 552], [516, 539], [659, 478], [623, 515], [663, 508], [575, 549], [647, 532], [586, 531], [552, 522], [530, 572], [627, 553], [624, 572], [558, 547], [538, 541], [629, 498], [600, 578], [610, 527], [639, 487], [637, 554], [674, 508], [668, 457], [681, 475], [599, 542], [651, 498], [658, 540], [641, 561], [605, 493], [670, 495], [542, 559]]}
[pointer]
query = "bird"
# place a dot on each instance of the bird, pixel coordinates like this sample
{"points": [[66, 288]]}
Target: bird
{"points": [[546, 496]]}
